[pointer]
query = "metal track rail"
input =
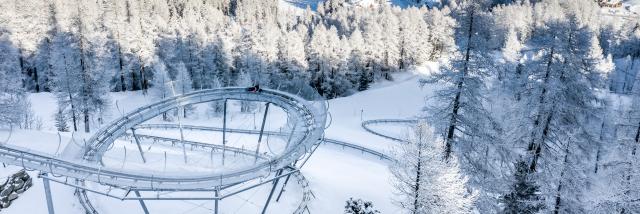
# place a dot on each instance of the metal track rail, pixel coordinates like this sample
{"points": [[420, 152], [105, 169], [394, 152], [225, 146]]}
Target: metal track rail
{"points": [[244, 131], [366, 123]]}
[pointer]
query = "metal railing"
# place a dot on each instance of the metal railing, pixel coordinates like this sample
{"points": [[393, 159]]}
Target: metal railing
{"points": [[365, 126]]}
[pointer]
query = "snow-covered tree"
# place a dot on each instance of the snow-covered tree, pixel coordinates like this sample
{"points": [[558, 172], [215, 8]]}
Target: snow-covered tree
{"points": [[424, 181], [561, 100], [359, 75], [441, 37], [183, 85], [523, 197], [244, 80], [359, 207], [162, 85], [461, 101], [215, 108], [60, 119], [66, 73], [415, 47], [13, 98], [291, 61]]}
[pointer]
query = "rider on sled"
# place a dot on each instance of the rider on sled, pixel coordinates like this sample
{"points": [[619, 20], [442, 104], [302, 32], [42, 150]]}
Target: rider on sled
{"points": [[255, 88]]}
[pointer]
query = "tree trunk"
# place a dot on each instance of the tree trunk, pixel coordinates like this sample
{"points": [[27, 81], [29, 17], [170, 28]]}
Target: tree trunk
{"points": [[73, 109], [637, 141], [456, 101], [533, 146], [86, 120], [538, 149], [542, 98], [35, 77], [418, 177], [595, 170], [558, 194], [73, 113]]}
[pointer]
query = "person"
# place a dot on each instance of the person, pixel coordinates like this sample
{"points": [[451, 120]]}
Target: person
{"points": [[255, 88]]}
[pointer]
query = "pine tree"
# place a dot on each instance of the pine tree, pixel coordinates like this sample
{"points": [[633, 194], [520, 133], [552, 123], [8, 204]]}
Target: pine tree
{"points": [[61, 121], [523, 197]]}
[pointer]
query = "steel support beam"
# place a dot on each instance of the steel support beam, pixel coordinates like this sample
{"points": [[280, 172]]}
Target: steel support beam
{"points": [[217, 195], [293, 130], [47, 192], [142, 204], [133, 132], [264, 120], [275, 184], [286, 181], [224, 129]]}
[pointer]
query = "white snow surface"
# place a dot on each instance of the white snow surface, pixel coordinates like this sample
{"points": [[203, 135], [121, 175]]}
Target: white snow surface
{"points": [[335, 174]]}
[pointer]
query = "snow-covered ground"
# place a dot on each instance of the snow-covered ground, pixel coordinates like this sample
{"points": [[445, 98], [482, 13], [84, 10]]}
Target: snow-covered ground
{"points": [[334, 174]]}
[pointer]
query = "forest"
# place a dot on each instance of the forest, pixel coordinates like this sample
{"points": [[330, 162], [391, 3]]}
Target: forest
{"points": [[538, 101]]}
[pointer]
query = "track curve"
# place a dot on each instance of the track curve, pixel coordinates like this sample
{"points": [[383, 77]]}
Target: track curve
{"points": [[308, 116], [365, 125]]}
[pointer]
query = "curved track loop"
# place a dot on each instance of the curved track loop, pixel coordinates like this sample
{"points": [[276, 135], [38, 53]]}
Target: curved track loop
{"points": [[365, 125], [309, 118]]}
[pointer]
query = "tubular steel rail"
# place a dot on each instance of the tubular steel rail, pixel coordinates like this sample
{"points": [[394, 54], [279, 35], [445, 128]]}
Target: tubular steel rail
{"points": [[309, 124], [194, 144], [366, 123], [244, 131]]}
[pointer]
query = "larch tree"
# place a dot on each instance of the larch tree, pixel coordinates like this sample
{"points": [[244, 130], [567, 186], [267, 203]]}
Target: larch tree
{"points": [[465, 120], [426, 183], [562, 80], [66, 71], [459, 112]]}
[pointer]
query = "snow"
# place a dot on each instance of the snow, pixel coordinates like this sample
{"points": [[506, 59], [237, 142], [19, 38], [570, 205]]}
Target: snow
{"points": [[334, 174], [400, 99]]}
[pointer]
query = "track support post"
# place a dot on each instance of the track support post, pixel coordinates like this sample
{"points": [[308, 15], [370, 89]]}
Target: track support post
{"points": [[273, 188], [224, 129], [142, 204], [286, 181], [133, 132], [264, 120], [217, 201], [47, 192]]}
